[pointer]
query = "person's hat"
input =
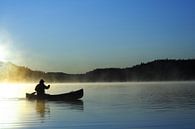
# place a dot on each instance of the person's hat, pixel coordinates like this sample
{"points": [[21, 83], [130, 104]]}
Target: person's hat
{"points": [[41, 81]]}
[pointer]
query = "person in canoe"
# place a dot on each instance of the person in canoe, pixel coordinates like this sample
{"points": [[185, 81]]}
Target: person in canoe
{"points": [[40, 88]]}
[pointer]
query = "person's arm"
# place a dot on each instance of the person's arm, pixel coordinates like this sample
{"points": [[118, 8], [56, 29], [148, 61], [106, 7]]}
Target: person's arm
{"points": [[47, 87]]}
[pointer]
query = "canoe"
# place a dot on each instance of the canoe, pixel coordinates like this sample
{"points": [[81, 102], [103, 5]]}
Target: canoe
{"points": [[74, 95]]}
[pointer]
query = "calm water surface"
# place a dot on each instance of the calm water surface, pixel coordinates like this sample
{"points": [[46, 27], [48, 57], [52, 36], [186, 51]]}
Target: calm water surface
{"points": [[147, 105]]}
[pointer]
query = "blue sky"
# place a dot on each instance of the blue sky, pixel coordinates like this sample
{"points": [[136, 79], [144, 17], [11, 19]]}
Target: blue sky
{"points": [[76, 36]]}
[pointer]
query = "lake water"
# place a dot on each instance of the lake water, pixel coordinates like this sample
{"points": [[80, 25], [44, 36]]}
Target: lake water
{"points": [[141, 105]]}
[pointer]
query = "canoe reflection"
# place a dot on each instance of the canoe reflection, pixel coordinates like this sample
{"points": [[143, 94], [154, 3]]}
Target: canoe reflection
{"points": [[44, 107], [73, 105]]}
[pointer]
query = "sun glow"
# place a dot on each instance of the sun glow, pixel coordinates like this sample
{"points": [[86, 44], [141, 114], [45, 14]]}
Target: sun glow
{"points": [[9, 91], [3, 53], [9, 107], [9, 111], [14, 108], [12, 105], [5, 43]]}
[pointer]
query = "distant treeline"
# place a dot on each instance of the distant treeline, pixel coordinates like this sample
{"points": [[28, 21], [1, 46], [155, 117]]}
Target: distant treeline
{"points": [[158, 70]]}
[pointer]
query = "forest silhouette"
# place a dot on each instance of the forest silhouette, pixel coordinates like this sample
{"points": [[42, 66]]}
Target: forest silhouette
{"points": [[157, 70]]}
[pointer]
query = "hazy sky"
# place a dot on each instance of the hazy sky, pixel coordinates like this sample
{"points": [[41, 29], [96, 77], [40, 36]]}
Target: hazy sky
{"points": [[76, 36]]}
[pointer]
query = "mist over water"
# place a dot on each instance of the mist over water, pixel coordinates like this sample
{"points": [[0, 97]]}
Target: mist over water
{"points": [[143, 105]]}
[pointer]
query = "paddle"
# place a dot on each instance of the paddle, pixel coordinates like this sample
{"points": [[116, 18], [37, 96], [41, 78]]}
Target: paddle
{"points": [[33, 93]]}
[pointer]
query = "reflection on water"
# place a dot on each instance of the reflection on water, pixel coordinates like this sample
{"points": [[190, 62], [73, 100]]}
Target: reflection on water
{"points": [[73, 105], [9, 113], [42, 108], [151, 105], [167, 97]]}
